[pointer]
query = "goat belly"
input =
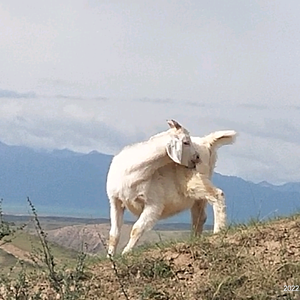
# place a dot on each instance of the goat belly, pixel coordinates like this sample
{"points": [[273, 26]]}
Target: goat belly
{"points": [[176, 208], [135, 206]]}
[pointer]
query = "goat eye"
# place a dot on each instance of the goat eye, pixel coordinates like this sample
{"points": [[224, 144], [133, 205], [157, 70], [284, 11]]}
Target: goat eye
{"points": [[186, 143]]}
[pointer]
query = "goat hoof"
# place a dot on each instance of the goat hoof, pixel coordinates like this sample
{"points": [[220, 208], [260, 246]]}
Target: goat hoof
{"points": [[110, 254]]}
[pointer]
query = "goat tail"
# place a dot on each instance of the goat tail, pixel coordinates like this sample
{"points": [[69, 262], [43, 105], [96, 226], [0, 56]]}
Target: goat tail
{"points": [[220, 138]]}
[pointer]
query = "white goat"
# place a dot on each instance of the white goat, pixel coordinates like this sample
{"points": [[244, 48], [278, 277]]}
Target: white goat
{"points": [[130, 172], [173, 189]]}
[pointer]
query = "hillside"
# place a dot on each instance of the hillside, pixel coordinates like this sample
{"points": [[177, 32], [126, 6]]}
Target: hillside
{"points": [[65, 183], [68, 235], [27, 248], [93, 236], [254, 262], [259, 261]]}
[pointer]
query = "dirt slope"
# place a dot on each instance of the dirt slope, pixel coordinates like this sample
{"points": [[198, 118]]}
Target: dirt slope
{"points": [[255, 262], [16, 252], [260, 261]]}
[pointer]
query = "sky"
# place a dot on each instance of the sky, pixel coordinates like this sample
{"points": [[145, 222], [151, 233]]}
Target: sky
{"points": [[99, 75]]}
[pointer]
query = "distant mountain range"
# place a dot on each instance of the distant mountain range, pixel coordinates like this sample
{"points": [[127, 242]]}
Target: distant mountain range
{"points": [[66, 183]]}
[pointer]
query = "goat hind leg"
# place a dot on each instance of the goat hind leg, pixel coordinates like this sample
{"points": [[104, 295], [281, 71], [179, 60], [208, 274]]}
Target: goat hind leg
{"points": [[199, 216], [116, 220], [216, 198]]}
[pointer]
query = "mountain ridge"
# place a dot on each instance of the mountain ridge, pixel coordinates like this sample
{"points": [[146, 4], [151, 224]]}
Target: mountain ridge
{"points": [[64, 182]]}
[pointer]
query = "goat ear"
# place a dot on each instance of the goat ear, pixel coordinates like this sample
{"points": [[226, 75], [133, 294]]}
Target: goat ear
{"points": [[174, 151], [174, 124]]}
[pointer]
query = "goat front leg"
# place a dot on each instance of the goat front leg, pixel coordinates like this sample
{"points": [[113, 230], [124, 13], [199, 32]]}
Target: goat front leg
{"points": [[116, 220], [216, 198], [199, 216], [145, 222]]}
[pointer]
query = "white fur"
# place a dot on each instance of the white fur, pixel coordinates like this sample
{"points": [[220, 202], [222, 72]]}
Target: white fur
{"points": [[130, 173], [172, 189]]}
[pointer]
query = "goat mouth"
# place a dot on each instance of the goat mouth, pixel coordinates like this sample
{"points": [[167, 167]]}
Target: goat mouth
{"points": [[197, 161]]}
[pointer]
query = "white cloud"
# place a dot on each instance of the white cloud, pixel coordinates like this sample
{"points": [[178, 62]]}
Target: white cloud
{"points": [[266, 148], [107, 73], [236, 51]]}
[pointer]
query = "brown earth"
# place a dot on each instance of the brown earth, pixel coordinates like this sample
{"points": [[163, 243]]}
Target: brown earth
{"points": [[255, 262], [258, 261]]}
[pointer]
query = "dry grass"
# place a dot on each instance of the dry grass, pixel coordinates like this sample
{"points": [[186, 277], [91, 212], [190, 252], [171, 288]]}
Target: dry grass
{"points": [[243, 262], [254, 262]]}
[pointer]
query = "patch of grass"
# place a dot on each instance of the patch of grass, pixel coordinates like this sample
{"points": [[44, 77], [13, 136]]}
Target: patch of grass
{"points": [[150, 292], [149, 268], [254, 261], [242, 262], [50, 276], [32, 244]]}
